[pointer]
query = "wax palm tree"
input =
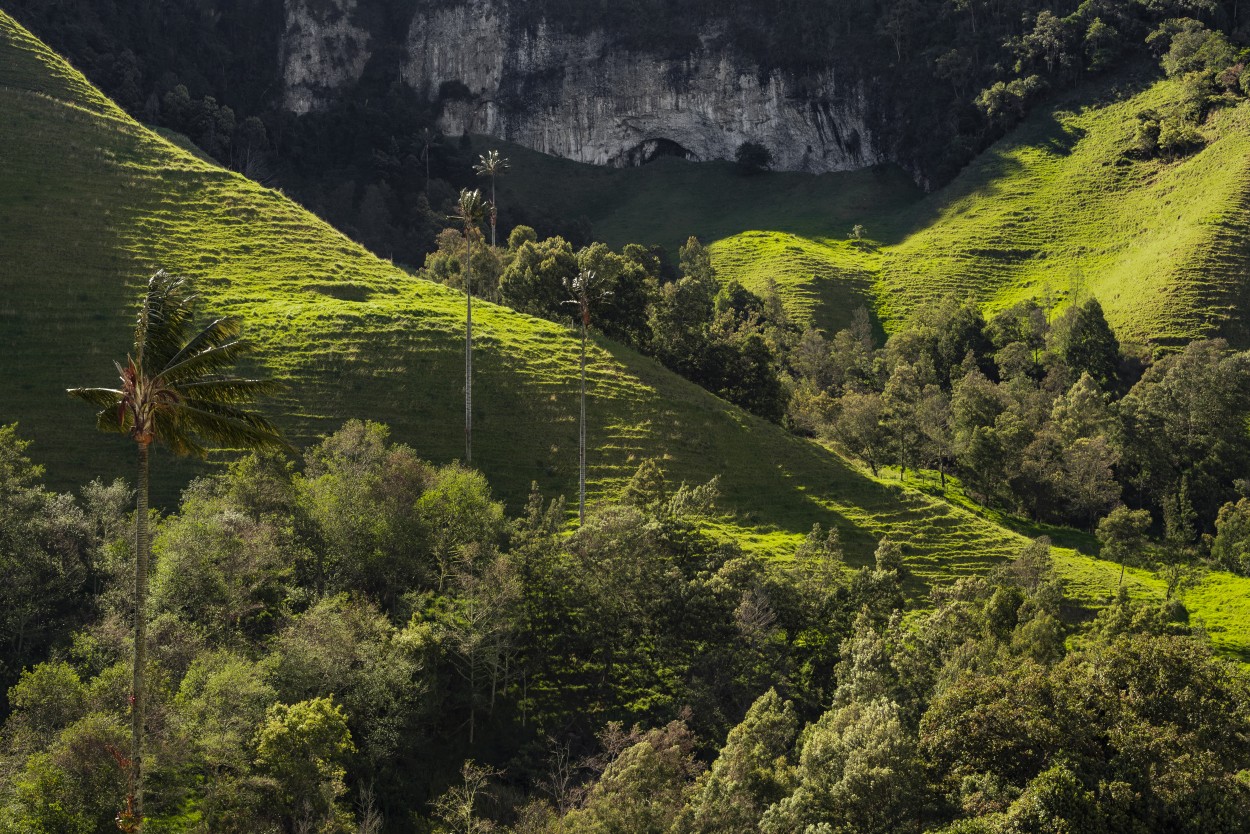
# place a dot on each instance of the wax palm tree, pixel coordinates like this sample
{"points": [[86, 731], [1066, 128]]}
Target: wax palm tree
{"points": [[491, 164], [584, 289], [469, 212], [176, 391]]}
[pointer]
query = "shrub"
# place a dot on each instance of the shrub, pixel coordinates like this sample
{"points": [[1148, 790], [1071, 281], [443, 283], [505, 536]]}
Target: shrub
{"points": [[754, 157]]}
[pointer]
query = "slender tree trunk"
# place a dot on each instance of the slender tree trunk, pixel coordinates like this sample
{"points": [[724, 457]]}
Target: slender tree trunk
{"points": [[468, 351], [494, 685], [494, 212], [138, 696], [581, 442]]}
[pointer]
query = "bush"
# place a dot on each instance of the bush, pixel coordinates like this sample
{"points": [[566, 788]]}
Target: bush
{"points": [[1178, 137], [1146, 137], [754, 157], [1231, 548], [1195, 49]]}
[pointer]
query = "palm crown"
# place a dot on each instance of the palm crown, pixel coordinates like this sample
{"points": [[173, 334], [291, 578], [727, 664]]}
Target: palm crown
{"points": [[491, 164], [178, 390], [471, 210]]}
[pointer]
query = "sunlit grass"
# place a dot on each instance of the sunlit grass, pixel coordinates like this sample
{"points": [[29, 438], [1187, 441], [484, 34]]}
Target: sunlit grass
{"points": [[1060, 208]]}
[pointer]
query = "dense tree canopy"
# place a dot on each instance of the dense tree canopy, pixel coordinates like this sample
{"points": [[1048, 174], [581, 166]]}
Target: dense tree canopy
{"points": [[333, 640]]}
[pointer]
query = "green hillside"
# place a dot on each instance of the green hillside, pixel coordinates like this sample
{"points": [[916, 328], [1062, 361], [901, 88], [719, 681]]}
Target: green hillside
{"points": [[92, 202], [1055, 209], [1162, 245]]}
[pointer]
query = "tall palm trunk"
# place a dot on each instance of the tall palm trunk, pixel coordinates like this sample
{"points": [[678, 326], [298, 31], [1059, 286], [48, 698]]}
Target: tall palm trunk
{"points": [[581, 441], [175, 388], [494, 212], [468, 352], [138, 695]]}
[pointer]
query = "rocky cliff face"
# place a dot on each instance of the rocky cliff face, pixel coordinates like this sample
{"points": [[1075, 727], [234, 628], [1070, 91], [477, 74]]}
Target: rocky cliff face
{"points": [[322, 51], [579, 96]]}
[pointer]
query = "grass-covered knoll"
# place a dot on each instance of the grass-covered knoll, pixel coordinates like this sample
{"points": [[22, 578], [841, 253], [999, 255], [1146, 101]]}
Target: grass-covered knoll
{"points": [[1059, 207], [93, 204], [821, 282]]}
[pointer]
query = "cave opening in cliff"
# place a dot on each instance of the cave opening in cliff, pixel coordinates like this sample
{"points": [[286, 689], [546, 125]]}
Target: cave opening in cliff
{"points": [[653, 149]]}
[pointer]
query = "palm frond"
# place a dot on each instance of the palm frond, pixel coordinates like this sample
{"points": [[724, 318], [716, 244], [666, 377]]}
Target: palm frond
{"points": [[113, 420], [471, 209], [491, 164], [215, 334], [113, 417], [231, 412], [167, 309], [170, 427], [99, 397], [231, 390], [209, 361], [179, 391], [230, 427]]}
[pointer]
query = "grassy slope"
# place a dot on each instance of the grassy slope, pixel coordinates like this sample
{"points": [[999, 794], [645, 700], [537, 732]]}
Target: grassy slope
{"points": [[1058, 208], [92, 202], [1055, 209]]}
